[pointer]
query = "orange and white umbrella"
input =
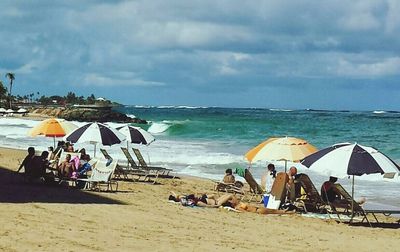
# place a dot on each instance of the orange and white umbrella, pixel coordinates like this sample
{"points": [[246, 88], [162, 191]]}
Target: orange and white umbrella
{"points": [[53, 128], [281, 149]]}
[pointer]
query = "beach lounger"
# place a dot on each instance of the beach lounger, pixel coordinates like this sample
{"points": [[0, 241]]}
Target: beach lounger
{"points": [[234, 188], [133, 169], [278, 191], [163, 172], [348, 205], [309, 198], [119, 171], [359, 210], [101, 175], [255, 188]]}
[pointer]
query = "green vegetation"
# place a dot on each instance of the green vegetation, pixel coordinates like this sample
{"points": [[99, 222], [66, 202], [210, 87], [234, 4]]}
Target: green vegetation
{"points": [[11, 77], [70, 98], [7, 99]]}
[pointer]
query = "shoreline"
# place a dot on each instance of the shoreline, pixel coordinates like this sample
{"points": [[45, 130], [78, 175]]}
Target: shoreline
{"points": [[139, 216]]}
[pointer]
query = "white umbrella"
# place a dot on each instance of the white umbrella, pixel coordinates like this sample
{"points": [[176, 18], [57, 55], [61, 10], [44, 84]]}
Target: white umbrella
{"points": [[2, 110], [344, 159], [95, 133], [9, 111], [136, 135], [22, 110]]}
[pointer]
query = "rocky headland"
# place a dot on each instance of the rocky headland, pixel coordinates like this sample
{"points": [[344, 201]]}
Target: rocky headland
{"points": [[85, 114]]}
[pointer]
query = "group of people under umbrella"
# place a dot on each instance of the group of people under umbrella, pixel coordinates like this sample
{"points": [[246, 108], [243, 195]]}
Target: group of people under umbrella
{"points": [[94, 133], [336, 161]]}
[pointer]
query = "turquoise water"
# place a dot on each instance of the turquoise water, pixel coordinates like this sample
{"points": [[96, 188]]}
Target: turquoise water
{"points": [[206, 141], [247, 127]]}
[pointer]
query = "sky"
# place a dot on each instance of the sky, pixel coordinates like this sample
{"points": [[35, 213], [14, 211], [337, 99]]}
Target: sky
{"points": [[228, 53]]}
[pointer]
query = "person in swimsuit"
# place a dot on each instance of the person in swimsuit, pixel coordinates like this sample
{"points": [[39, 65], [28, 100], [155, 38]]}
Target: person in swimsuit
{"points": [[225, 200], [205, 200]]}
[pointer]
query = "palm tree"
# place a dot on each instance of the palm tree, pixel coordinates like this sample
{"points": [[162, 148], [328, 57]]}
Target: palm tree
{"points": [[11, 77]]}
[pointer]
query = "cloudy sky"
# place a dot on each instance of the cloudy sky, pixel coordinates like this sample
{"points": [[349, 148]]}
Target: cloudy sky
{"points": [[280, 54]]}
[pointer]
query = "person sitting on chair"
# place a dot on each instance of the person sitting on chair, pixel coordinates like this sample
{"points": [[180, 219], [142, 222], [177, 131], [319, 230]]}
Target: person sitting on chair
{"points": [[66, 167], [84, 165], [330, 194], [228, 178]]}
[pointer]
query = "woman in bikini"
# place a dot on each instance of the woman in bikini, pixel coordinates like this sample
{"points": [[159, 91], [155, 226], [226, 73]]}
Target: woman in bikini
{"points": [[225, 200]]}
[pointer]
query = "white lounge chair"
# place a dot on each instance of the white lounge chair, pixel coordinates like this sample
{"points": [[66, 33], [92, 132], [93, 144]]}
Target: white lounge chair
{"points": [[101, 175]]}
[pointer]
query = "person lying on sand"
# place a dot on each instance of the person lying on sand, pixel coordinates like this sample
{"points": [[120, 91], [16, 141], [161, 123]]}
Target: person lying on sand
{"points": [[204, 200], [225, 200]]}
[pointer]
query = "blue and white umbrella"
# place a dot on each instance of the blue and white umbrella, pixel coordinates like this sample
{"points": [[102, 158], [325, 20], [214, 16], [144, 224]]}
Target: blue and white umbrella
{"points": [[95, 133]]}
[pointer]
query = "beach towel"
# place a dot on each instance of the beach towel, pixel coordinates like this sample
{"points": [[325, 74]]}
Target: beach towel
{"points": [[240, 171]]}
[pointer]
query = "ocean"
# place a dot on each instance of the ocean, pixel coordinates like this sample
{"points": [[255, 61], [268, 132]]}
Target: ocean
{"points": [[204, 141]]}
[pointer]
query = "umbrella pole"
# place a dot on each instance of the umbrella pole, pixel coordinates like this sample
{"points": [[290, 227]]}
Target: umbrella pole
{"points": [[352, 202], [54, 142], [285, 165]]}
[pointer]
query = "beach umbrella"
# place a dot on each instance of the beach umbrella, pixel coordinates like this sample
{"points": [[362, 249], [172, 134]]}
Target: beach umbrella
{"points": [[136, 135], [22, 110], [346, 159], [52, 128], [3, 110], [10, 111], [95, 133], [281, 149]]}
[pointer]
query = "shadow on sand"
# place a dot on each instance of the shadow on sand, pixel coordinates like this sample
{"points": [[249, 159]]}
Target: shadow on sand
{"points": [[377, 225], [13, 189]]}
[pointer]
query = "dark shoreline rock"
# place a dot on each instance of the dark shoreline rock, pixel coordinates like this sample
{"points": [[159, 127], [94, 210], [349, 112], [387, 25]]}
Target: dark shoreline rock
{"points": [[87, 115]]}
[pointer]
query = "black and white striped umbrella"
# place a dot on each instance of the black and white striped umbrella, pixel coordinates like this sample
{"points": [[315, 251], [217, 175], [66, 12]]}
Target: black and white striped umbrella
{"points": [[344, 159], [95, 133], [136, 135]]}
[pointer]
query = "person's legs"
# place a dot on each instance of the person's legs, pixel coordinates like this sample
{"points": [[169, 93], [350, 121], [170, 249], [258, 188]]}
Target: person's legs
{"points": [[263, 210]]}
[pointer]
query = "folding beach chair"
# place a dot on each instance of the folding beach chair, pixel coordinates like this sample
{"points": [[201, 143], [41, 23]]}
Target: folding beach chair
{"points": [[359, 210], [255, 188], [163, 172], [309, 198], [101, 175], [349, 205], [233, 188], [133, 169], [119, 171]]}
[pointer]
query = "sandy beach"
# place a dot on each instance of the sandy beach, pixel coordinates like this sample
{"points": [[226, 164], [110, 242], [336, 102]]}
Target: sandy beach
{"points": [[139, 216]]}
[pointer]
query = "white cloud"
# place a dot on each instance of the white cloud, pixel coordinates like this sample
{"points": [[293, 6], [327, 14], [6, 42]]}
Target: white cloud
{"points": [[94, 79], [392, 22], [385, 67]]}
